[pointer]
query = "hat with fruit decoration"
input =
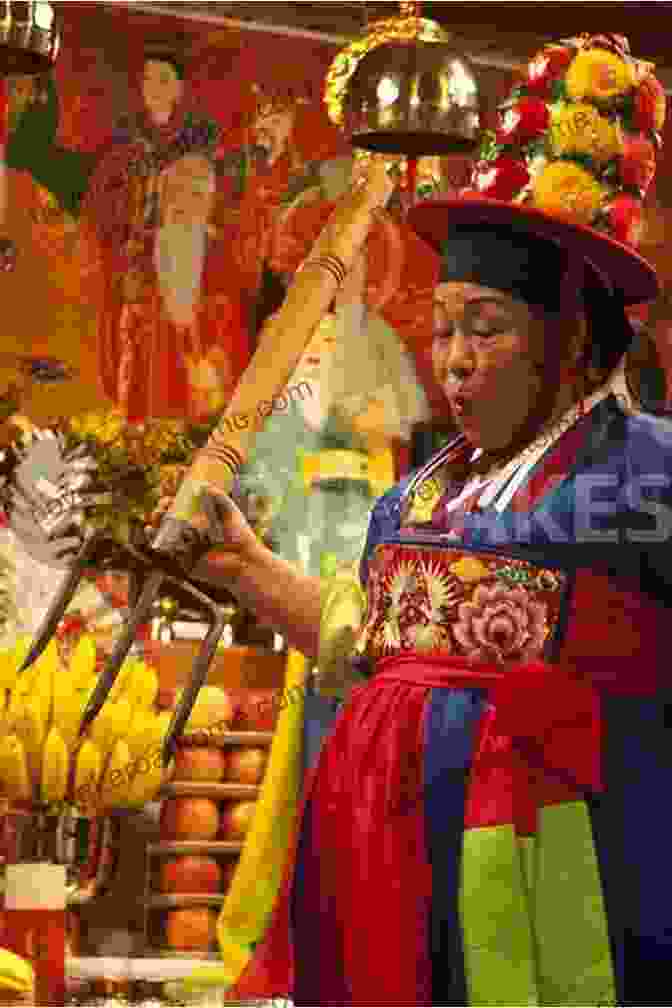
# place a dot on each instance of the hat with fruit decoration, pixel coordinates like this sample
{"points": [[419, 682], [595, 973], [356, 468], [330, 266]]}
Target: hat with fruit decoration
{"points": [[559, 186]]}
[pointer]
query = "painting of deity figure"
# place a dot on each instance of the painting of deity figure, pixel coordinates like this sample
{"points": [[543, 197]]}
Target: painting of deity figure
{"points": [[172, 340], [123, 199], [290, 148]]}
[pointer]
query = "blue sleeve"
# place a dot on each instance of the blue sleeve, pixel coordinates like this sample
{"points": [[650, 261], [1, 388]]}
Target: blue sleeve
{"points": [[384, 524], [649, 501]]}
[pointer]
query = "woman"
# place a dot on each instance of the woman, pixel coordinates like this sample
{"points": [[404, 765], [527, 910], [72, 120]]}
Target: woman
{"points": [[485, 824]]}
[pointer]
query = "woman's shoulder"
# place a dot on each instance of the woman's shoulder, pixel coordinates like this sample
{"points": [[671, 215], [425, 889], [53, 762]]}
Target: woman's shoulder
{"points": [[648, 439], [389, 504]]}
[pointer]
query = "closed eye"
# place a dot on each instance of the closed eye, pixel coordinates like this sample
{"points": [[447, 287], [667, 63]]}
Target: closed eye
{"points": [[487, 332]]}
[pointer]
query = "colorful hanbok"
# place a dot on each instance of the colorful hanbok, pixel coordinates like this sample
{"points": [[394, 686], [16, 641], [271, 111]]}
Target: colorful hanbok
{"points": [[485, 825], [487, 821]]}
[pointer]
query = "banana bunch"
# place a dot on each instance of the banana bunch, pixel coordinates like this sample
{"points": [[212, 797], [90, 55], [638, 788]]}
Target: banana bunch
{"points": [[16, 974], [42, 757]]}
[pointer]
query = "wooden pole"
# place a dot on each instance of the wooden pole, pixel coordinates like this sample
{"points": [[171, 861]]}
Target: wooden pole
{"points": [[282, 343]]}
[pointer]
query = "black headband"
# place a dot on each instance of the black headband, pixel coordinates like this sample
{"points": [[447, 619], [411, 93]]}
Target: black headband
{"points": [[529, 268]]}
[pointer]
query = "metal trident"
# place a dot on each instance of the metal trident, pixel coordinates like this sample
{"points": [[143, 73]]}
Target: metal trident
{"points": [[152, 572]]}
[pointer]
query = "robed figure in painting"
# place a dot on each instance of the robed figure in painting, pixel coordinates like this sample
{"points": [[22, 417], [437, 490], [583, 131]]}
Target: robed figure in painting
{"points": [[171, 336]]}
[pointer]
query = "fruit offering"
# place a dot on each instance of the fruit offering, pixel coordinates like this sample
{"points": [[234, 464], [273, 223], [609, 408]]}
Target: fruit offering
{"points": [[258, 710], [117, 764], [191, 876], [199, 763], [17, 979], [191, 930], [212, 716], [236, 820], [246, 766], [189, 819]]}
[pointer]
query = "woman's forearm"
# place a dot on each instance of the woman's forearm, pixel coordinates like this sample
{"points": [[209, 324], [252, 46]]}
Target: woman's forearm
{"points": [[279, 595]]}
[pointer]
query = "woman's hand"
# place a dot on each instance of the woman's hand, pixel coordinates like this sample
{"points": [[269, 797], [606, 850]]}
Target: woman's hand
{"points": [[239, 546], [349, 226]]}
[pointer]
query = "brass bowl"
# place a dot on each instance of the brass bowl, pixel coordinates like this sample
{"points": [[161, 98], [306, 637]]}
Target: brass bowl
{"points": [[29, 37], [413, 98]]}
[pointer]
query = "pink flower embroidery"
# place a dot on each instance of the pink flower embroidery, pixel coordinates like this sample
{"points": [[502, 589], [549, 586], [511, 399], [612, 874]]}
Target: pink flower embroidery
{"points": [[501, 623]]}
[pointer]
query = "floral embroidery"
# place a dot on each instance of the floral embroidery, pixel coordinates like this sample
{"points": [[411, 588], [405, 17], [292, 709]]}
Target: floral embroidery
{"points": [[448, 601], [470, 570], [502, 623]]}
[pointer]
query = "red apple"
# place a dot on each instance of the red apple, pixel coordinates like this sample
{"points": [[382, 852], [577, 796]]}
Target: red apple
{"points": [[236, 820], [191, 875], [211, 717], [246, 766], [189, 819], [199, 763], [191, 930], [259, 710]]}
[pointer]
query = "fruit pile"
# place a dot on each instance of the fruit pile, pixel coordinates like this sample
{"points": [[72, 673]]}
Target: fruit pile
{"points": [[43, 760], [212, 801]]}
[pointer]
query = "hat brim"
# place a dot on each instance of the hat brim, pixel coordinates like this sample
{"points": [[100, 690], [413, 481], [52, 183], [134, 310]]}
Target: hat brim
{"points": [[627, 271]]}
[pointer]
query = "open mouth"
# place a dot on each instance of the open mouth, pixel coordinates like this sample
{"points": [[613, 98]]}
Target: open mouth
{"points": [[461, 405]]}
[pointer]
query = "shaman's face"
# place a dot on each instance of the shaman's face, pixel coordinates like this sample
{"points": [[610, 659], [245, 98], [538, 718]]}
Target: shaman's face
{"points": [[485, 347]]}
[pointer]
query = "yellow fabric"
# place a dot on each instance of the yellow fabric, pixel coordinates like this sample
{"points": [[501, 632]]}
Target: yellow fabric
{"points": [[499, 942], [533, 915], [253, 894], [343, 608], [573, 951], [377, 470]]}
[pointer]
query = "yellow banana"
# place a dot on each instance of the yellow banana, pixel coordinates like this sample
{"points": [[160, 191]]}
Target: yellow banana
{"points": [[114, 786], [142, 725], [31, 727], [9, 669], [14, 775], [16, 656], [55, 768], [144, 687], [47, 669], [147, 779], [82, 666], [149, 774], [157, 731], [123, 681], [88, 771], [16, 974], [69, 706], [25, 685], [112, 723]]}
